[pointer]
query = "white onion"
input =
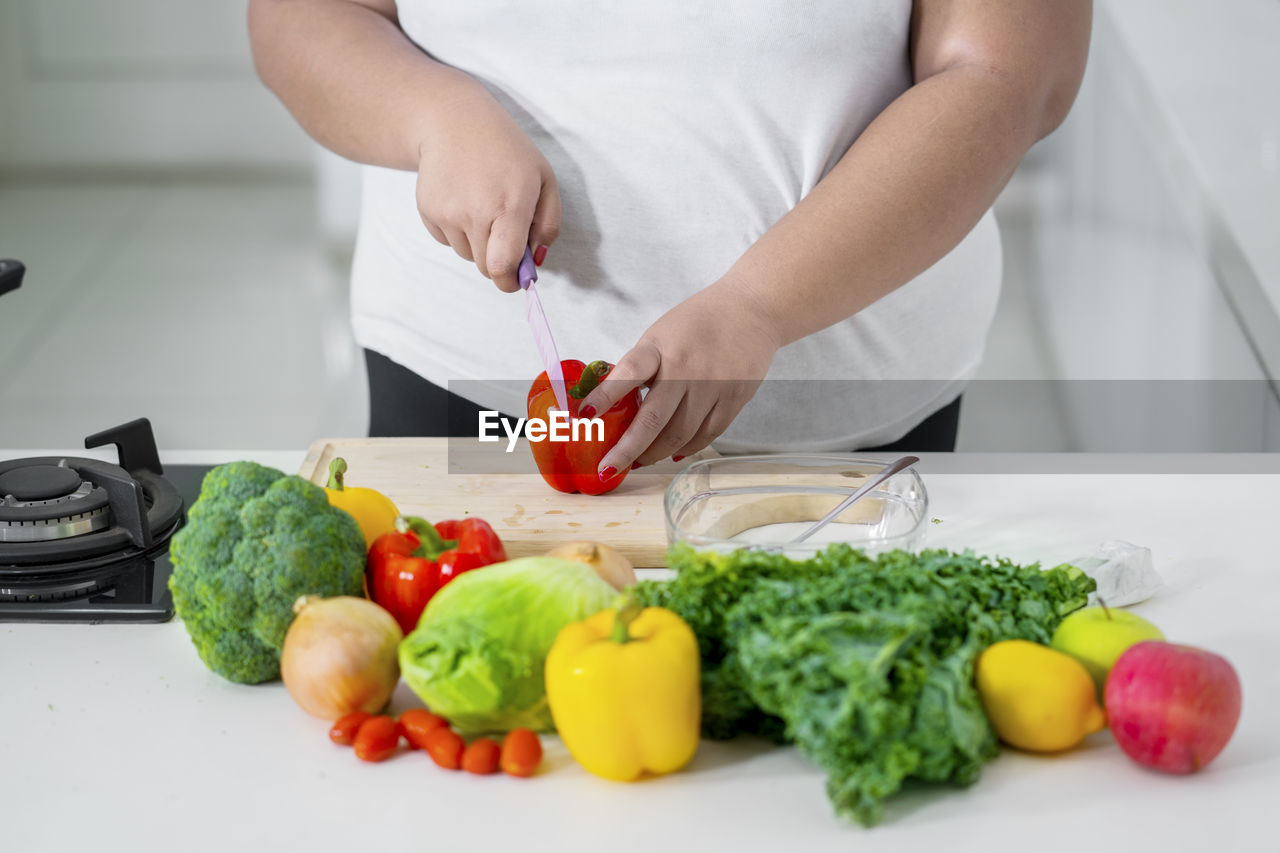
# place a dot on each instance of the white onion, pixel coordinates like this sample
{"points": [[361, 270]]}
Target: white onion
{"points": [[613, 568], [340, 655]]}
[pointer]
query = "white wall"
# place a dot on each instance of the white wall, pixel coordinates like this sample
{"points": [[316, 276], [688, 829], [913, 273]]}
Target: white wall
{"points": [[1122, 287], [136, 84]]}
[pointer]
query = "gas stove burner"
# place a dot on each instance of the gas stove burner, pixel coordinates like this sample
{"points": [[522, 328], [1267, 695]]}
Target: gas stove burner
{"points": [[63, 589], [37, 484], [68, 510], [62, 503], [79, 538]]}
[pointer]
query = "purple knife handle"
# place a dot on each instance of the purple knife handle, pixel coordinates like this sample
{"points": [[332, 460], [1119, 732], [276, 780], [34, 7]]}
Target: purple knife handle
{"points": [[528, 273]]}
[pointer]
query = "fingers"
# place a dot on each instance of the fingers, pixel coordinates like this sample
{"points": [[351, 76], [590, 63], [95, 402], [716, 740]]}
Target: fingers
{"points": [[678, 419], [713, 426], [488, 192], [507, 240], [478, 238], [457, 238], [493, 228], [730, 396], [655, 413], [545, 227], [683, 424], [637, 367], [496, 248], [436, 233]]}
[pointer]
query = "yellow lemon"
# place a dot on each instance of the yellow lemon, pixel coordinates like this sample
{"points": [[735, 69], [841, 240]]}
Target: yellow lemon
{"points": [[1037, 698]]}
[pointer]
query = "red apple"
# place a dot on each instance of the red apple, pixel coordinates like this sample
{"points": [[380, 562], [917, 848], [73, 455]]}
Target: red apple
{"points": [[1171, 707]]}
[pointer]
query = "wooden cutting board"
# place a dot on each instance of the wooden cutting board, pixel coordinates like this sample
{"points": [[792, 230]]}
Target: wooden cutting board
{"points": [[529, 515]]}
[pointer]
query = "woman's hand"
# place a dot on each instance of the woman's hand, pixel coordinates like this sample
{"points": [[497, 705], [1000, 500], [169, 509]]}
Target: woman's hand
{"points": [[702, 361], [356, 82], [486, 190]]}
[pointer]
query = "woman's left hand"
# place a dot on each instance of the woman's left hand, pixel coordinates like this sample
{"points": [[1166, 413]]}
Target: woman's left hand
{"points": [[702, 361]]}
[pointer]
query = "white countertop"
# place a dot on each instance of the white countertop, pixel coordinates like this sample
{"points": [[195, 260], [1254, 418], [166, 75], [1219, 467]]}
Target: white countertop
{"points": [[117, 737]]}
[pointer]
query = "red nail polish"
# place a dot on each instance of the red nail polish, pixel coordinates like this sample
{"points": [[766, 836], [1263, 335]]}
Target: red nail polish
{"points": [[637, 464], [587, 412], [608, 473], [538, 255], [676, 458]]}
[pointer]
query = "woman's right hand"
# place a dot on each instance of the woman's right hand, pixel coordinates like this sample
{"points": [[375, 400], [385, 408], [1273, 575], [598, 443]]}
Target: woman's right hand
{"points": [[486, 190]]}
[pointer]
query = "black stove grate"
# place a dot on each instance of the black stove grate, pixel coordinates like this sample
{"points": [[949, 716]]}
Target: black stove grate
{"points": [[116, 573]]}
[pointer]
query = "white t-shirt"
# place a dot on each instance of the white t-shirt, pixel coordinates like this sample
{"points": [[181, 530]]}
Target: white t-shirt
{"points": [[679, 132]]}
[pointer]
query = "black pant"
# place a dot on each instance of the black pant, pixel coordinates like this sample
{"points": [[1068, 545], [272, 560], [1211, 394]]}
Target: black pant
{"points": [[402, 403]]}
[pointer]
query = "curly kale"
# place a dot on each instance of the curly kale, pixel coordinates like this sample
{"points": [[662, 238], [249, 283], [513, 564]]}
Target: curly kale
{"points": [[865, 663], [255, 541], [706, 587]]}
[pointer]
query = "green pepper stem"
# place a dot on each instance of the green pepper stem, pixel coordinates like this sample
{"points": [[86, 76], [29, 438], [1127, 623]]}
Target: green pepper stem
{"points": [[337, 468], [591, 376], [628, 610], [430, 544]]}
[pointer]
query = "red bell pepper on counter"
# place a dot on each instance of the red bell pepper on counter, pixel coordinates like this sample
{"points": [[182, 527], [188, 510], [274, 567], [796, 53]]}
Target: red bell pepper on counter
{"points": [[571, 466], [409, 565]]}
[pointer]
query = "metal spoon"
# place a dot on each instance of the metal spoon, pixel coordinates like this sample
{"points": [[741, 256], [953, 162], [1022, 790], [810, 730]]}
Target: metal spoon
{"points": [[885, 473]]}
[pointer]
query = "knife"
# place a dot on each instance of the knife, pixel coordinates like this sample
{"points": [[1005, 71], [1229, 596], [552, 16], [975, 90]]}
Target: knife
{"points": [[537, 318]]}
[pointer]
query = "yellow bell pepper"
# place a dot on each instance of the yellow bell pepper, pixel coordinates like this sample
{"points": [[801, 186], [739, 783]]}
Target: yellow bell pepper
{"points": [[372, 510], [623, 690]]}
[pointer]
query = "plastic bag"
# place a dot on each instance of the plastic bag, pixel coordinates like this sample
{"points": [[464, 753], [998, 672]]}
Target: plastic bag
{"points": [[1125, 573]]}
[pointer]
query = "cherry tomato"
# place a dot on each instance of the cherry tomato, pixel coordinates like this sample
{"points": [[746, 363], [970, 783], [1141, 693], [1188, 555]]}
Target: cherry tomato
{"points": [[521, 752], [417, 723], [344, 730], [377, 739], [481, 756], [445, 747]]}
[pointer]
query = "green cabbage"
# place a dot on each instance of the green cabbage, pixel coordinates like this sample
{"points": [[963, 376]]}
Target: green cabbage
{"points": [[477, 655]]}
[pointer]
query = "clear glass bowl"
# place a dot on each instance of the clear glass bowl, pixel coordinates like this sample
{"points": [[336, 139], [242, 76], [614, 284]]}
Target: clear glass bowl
{"points": [[765, 501]]}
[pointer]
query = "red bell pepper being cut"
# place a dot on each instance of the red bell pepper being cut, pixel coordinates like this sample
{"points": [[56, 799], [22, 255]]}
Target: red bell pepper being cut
{"points": [[571, 466], [409, 565]]}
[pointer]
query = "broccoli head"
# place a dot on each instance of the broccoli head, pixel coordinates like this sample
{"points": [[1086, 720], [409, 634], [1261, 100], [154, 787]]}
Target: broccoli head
{"points": [[255, 541]]}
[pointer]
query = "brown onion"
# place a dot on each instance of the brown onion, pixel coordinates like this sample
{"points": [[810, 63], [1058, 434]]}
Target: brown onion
{"points": [[607, 561], [340, 655]]}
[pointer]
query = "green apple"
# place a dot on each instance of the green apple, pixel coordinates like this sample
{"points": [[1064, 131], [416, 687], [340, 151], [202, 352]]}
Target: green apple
{"points": [[1097, 636]]}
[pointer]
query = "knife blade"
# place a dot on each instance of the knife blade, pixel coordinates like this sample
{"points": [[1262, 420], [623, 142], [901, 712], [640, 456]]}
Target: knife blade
{"points": [[537, 318]]}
